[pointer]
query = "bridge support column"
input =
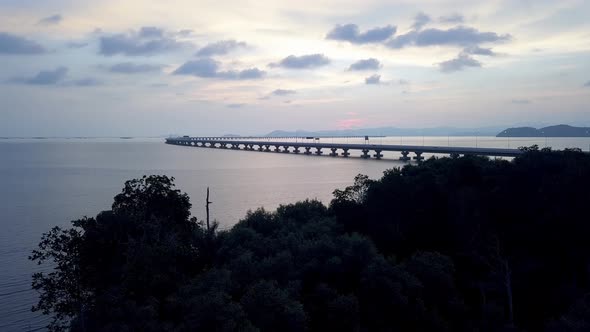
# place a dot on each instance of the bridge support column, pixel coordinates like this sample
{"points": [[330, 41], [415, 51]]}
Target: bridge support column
{"points": [[333, 153], [404, 156], [260, 148], [223, 145], [212, 145], [286, 149], [345, 154], [267, 148], [378, 154], [277, 148], [366, 154], [307, 152], [418, 156], [296, 150], [318, 151]]}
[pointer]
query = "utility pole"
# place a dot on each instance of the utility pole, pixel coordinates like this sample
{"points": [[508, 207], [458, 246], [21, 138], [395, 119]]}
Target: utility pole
{"points": [[207, 207]]}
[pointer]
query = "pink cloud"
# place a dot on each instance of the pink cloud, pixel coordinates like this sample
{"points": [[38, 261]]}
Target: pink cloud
{"points": [[350, 123]]}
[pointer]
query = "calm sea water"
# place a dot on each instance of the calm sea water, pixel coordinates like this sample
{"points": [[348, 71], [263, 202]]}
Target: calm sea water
{"points": [[49, 182]]}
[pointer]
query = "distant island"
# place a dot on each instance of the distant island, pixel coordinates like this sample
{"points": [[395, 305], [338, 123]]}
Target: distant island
{"points": [[551, 131]]}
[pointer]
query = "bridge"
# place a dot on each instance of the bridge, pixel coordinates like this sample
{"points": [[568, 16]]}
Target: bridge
{"points": [[336, 149], [275, 137]]}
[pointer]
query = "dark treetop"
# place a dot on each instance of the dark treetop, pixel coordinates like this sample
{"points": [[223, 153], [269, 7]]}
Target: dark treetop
{"points": [[464, 244]]}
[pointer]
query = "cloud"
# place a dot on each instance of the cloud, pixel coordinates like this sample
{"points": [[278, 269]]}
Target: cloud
{"points": [[365, 64], [236, 105], [51, 20], [184, 32], [45, 77], [246, 74], [476, 50], [132, 68], [220, 48], [459, 36], [459, 63], [587, 84], [403, 82], [453, 18], [11, 44], [85, 82], [148, 41], [74, 44], [282, 92], [205, 67], [352, 34], [373, 79], [420, 21], [302, 62], [209, 68], [520, 101], [350, 123], [151, 32]]}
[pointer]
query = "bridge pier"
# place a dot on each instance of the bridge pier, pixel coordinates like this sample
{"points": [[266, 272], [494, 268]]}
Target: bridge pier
{"points": [[267, 148], [212, 145], [404, 156], [307, 152], [333, 153], [260, 147], [277, 148], [418, 156], [296, 150], [365, 154], [318, 151], [378, 154], [286, 149], [345, 153]]}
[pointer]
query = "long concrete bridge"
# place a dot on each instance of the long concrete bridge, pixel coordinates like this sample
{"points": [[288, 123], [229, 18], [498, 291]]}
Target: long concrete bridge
{"points": [[334, 148], [249, 138]]}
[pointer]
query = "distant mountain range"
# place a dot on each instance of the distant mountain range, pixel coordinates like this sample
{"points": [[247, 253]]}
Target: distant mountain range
{"points": [[392, 131], [551, 131]]}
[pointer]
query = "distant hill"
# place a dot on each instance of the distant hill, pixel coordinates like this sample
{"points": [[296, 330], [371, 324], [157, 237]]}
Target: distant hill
{"points": [[551, 131], [392, 131]]}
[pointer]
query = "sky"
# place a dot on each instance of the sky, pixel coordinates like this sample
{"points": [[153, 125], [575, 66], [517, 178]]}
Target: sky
{"points": [[204, 67]]}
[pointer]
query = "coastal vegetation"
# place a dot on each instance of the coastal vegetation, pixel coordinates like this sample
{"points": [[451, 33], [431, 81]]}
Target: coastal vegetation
{"points": [[450, 244], [551, 131]]}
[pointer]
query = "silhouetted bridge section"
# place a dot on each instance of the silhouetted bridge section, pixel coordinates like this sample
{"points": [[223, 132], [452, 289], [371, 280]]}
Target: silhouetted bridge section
{"points": [[249, 138], [318, 148]]}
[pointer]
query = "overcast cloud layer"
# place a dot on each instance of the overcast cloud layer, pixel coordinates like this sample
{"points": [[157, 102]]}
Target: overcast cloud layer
{"points": [[113, 68]]}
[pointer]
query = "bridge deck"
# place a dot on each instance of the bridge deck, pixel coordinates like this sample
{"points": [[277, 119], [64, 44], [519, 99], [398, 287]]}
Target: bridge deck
{"points": [[196, 141]]}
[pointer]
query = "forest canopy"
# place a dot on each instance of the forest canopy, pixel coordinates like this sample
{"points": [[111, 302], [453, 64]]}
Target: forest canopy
{"points": [[450, 244]]}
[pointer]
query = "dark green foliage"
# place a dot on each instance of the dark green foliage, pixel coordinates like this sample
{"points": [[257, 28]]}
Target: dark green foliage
{"points": [[116, 271], [516, 232], [452, 244]]}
